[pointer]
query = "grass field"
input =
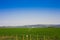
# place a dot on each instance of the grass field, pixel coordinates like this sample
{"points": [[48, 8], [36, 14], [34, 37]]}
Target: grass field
{"points": [[31, 33]]}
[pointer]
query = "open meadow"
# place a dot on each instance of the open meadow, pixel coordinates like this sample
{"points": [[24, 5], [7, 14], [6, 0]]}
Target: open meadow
{"points": [[29, 33]]}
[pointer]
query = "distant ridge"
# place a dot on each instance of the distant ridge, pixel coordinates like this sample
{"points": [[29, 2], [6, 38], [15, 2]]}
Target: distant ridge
{"points": [[34, 26]]}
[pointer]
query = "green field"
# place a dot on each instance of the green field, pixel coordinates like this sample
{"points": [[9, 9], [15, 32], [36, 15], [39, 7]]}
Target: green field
{"points": [[48, 33]]}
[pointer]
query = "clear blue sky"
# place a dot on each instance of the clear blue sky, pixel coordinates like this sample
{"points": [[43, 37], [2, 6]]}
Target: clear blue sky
{"points": [[26, 12]]}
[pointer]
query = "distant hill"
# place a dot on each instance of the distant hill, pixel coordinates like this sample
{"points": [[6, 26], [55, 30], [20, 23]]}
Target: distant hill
{"points": [[33, 26]]}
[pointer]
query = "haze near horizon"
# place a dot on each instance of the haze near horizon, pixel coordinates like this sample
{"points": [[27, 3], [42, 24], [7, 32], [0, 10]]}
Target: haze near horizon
{"points": [[29, 12]]}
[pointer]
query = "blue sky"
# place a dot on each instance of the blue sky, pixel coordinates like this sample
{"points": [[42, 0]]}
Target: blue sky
{"points": [[27, 12]]}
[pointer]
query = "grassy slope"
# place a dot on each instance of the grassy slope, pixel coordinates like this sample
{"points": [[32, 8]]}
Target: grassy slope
{"points": [[33, 31], [45, 31]]}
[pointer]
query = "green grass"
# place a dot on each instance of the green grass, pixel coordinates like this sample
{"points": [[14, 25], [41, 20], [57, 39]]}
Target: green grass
{"points": [[52, 33]]}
